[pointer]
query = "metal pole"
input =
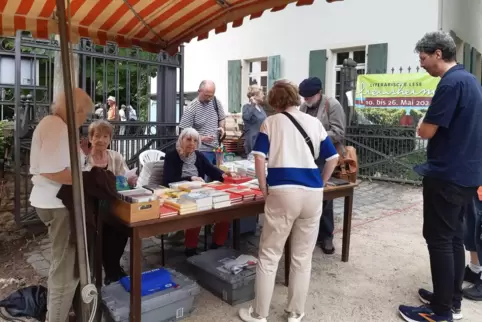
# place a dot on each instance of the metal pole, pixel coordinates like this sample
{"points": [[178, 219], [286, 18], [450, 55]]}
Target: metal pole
{"points": [[181, 84], [77, 186], [18, 125]]}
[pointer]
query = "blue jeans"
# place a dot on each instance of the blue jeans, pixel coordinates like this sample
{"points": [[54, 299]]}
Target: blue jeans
{"points": [[473, 227]]}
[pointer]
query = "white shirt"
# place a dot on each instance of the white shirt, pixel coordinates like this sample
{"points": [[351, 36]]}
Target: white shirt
{"points": [[122, 115], [49, 154]]}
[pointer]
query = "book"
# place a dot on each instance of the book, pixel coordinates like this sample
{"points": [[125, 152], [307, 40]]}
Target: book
{"points": [[175, 185], [222, 204], [216, 195], [165, 211], [202, 200], [136, 195], [172, 193], [237, 180], [156, 189], [245, 193], [190, 185]]}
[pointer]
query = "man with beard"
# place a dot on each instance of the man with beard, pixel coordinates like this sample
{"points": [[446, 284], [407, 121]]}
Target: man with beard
{"points": [[329, 111]]}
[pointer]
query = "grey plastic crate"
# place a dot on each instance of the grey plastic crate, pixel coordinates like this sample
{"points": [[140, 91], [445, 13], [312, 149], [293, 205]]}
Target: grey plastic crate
{"points": [[173, 304], [232, 288]]}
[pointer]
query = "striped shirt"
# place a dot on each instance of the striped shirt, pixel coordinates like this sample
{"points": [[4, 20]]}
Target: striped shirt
{"points": [[291, 163], [203, 118], [189, 166]]}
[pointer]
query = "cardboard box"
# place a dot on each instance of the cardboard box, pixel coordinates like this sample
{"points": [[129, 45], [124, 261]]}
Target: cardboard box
{"points": [[135, 212]]}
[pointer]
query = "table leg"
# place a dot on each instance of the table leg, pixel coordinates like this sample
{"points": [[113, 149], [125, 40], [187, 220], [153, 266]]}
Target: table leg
{"points": [[345, 253], [236, 234], [98, 264], [136, 270], [287, 260]]}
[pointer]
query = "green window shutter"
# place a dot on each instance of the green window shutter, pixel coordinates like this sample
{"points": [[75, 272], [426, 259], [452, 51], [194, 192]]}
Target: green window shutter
{"points": [[274, 70], [377, 58], [317, 65], [467, 56], [234, 86], [473, 60]]}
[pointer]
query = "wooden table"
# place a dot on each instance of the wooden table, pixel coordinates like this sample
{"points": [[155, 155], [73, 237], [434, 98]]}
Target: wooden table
{"points": [[145, 229]]}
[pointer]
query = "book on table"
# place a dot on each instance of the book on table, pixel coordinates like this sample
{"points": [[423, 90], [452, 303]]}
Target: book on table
{"points": [[183, 206], [190, 185], [156, 189], [202, 200], [222, 204], [175, 185], [246, 193], [165, 211]]}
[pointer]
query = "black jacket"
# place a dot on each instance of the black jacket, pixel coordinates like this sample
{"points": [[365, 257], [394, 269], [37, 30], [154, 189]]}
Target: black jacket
{"points": [[99, 184], [173, 168]]}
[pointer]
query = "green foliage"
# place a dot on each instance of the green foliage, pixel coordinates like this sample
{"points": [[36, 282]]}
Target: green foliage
{"points": [[131, 76], [382, 116], [417, 115], [6, 135]]}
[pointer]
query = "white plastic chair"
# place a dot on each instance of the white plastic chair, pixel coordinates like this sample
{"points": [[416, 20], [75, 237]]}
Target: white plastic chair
{"points": [[150, 156]]}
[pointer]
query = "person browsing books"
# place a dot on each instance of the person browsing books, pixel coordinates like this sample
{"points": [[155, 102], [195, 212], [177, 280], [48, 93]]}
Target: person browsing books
{"points": [[186, 163], [100, 136], [294, 198]]}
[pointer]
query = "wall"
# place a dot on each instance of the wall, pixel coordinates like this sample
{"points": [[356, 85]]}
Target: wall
{"points": [[464, 17], [294, 31]]}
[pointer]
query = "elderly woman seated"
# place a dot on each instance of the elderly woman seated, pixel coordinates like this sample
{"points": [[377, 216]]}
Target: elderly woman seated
{"points": [[188, 164], [100, 136]]}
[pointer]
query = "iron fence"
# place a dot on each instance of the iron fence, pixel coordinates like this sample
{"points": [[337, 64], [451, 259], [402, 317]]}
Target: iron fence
{"points": [[387, 144], [27, 75]]}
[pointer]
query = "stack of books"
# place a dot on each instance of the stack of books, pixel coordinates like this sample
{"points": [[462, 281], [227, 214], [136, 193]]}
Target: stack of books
{"points": [[165, 211], [245, 193], [184, 207], [221, 199], [156, 189], [175, 185], [137, 195], [203, 201], [190, 185], [237, 180], [235, 198]]}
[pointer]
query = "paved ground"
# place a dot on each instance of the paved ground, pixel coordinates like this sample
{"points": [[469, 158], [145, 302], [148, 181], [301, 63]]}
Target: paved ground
{"points": [[388, 262]]}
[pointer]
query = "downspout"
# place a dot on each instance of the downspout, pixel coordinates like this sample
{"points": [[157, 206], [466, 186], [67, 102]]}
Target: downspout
{"points": [[440, 14]]}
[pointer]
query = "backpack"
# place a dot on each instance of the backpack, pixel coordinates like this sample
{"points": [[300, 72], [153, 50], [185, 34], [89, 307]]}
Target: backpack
{"points": [[26, 302]]}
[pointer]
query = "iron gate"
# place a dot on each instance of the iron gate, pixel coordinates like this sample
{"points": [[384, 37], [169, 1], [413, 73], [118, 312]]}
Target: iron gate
{"points": [[27, 69]]}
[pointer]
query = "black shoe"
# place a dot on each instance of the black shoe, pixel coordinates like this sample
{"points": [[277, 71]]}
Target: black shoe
{"points": [[474, 292], [114, 277], [215, 246], [427, 296], [470, 276], [327, 246], [189, 252]]}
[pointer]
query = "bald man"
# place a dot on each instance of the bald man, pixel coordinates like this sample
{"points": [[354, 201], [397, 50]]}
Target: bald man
{"points": [[206, 115]]}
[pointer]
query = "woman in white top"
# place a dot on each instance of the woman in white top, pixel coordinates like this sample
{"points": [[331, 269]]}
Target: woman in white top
{"points": [[253, 117], [294, 198], [50, 169], [100, 136]]}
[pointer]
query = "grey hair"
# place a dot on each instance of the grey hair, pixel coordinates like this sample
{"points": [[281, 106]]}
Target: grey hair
{"points": [[188, 133], [438, 40], [204, 83]]}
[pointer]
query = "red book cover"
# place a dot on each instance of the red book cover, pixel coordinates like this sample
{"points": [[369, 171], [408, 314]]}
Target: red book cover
{"points": [[237, 180], [245, 193], [223, 187]]}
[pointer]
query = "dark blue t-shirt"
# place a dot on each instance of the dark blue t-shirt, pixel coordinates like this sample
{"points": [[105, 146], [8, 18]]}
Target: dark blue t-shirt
{"points": [[454, 153]]}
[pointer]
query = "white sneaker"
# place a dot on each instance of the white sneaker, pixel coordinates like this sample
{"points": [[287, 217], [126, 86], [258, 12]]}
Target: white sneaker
{"points": [[247, 315], [292, 317]]}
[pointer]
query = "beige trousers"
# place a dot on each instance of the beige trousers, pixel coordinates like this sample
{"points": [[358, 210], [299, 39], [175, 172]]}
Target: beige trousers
{"points": [[62, 282], [295, 211]]}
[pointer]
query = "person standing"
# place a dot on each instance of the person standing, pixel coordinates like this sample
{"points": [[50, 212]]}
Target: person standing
{"points": [[50, 169], [451, 175], [123, 118], [113, 111], [206, 115], [294, 198], [330, 113], [253, 117]]}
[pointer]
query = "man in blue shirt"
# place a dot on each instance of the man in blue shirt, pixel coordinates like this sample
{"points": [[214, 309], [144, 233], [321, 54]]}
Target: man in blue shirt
{"points": [[451, 175]]}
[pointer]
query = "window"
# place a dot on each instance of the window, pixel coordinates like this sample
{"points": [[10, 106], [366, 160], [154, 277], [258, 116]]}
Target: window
{"points": [[258, 73], [357, 55]]}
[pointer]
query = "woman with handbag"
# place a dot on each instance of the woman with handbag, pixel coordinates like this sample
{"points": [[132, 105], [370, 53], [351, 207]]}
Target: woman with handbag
{"points": [[294, 198]]}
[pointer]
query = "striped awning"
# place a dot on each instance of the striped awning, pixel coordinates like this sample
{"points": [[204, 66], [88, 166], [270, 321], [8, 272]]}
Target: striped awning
{"points": [[153, 25]]}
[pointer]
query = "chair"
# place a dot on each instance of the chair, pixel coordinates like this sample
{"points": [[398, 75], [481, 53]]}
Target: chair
{"points": [[151, 156]]}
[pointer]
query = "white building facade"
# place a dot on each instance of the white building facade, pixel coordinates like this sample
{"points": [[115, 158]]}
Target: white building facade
{"points": [[299, 42]]}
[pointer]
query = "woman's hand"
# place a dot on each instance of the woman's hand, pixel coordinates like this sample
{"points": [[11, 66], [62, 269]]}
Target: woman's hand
{"points": [[84, 145], [229, 174], [264, 190], [132, 181], [197, 179]]}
